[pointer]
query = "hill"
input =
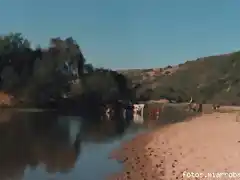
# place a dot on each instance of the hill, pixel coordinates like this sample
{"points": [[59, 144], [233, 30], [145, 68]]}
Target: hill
{"points": [[213, 79]]}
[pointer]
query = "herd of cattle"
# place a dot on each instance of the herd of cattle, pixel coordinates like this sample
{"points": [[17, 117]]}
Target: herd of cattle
{"points": [[135, 112], [127, 111], [198, 107]]}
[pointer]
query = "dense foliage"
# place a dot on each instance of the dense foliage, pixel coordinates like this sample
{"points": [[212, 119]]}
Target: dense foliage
{"points": [[214, 79], [39, 76]]}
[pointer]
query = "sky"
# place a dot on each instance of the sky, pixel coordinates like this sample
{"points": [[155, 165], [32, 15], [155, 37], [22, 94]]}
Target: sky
{"points": [[121, 34]]}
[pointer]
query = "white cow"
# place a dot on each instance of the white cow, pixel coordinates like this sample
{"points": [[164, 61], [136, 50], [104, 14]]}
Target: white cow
{"points": [[138, 113], [108, 113]]}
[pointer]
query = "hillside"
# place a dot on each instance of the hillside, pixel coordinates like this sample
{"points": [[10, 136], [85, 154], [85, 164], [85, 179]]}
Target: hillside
{"points": [[213, 79]]}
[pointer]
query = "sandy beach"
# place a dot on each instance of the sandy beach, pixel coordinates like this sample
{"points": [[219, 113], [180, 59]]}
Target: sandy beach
{"points": [[205, 147]]}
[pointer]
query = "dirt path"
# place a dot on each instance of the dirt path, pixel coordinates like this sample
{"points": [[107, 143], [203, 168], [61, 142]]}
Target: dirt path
{"points": [[206, 144]]}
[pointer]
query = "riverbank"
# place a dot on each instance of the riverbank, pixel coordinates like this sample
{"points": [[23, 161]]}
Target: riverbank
{"points": [[205, 144]]}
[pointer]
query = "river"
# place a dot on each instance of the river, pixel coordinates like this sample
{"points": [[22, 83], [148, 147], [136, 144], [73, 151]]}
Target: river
{"points": [[46, 145]]}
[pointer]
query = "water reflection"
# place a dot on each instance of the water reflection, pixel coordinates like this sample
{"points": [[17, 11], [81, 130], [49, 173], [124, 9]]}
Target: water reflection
{"points": [[36, 144], [47, 140], [37, 138]]}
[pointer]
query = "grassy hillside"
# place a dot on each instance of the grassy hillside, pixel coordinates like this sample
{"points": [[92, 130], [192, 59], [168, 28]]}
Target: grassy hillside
{"points": [[213, 79]]}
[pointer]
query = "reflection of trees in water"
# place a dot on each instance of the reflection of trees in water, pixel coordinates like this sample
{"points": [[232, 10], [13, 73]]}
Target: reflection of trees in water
{"points": [[103, 130], [33, 139], [5, 115], [40, 138], [44, 138]]}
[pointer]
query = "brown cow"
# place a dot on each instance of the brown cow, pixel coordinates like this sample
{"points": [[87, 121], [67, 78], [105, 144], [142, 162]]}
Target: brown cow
{"points": [[196, 107], [6, 99], [215, 106]]}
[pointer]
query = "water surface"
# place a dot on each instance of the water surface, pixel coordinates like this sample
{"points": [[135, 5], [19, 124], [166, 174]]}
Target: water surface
{"points": [[45, 145]]}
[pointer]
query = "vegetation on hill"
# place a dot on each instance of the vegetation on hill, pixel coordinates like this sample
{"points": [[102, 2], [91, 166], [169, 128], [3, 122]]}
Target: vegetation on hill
{"points": [[213, 79], [60, 74]]}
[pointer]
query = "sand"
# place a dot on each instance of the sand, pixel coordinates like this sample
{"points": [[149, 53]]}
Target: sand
{"points": [[204, 146]]}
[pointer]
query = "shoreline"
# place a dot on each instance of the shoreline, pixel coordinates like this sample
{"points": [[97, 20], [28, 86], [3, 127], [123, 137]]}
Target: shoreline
{"points": [[133, 155], [205, 144]]}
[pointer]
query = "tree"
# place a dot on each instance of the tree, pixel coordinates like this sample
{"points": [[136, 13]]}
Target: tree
{"points": [[39, 75], [13, 42]]}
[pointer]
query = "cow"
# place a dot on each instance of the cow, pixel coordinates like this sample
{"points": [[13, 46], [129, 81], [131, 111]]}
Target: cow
{"points": [[6, 99], [215, 107], [196, 107], [138, 113]]}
